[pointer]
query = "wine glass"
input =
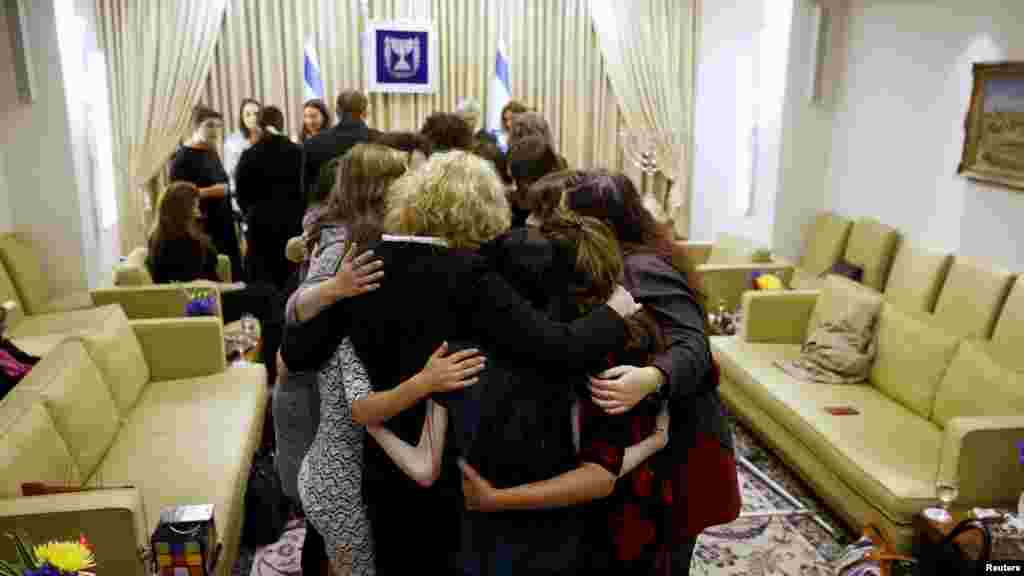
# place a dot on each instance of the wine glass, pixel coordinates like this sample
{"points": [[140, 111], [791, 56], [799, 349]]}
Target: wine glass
{"points": [[947, 492]]}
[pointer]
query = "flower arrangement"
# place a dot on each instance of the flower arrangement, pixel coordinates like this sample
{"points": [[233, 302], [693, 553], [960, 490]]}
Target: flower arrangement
{"points": [[50, 559], [201, 301]]}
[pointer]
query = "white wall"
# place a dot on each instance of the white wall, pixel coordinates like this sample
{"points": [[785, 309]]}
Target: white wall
{"points": [[807, 128], [40, 169], [730, 32], [899, 127]]}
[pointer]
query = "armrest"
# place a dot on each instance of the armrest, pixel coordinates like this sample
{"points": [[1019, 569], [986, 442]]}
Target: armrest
{"points": [[980, 454], [697, 252], [182, 347], [110, 519], [728, 282], [151, 301], [224, 268], [777, 317], [69, 302]]}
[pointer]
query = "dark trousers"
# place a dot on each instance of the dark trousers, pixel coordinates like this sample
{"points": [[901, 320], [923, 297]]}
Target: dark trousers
{"points": [[314, 553]]}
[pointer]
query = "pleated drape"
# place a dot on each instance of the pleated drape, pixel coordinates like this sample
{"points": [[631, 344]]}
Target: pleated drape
{"points": [[555, 58]]}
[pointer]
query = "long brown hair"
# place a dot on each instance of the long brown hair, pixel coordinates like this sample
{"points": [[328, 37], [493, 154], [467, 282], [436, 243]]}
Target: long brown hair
{"points": [[359, 197], [612, 197], [176, 219], [598, 262]]}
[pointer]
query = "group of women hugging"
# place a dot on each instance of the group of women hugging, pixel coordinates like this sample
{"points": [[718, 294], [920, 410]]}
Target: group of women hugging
{"points": [[496, 400], [511, 356]]}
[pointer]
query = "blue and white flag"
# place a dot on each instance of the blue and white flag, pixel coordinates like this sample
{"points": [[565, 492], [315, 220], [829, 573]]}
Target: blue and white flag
{"points": [[501, 94], [312, 85]]}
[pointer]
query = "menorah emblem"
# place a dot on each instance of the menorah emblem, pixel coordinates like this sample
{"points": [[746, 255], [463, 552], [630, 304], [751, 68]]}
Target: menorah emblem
{"points": [[402, 56]]}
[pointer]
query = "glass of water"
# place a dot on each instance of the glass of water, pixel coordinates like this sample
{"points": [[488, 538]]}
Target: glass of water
{"points": [[250, 329], [947, 492]]}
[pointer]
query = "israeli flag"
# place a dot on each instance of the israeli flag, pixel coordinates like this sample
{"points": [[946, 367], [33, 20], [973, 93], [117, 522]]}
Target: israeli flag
{"points": [[312, 86], [501, 94]]}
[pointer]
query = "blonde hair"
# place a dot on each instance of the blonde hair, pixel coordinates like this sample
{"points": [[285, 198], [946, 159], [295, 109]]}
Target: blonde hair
{"points": [[454, 195]]}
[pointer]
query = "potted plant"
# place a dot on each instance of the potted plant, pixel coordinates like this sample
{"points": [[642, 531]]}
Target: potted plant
{"points": [[67, 558]]}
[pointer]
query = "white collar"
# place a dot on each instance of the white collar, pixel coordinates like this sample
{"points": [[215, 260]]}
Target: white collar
{"points": [[415, 239]]}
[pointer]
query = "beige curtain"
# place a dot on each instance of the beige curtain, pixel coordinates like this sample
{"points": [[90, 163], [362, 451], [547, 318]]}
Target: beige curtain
{"points": [[555, 59], [158, 60], [648, 46]]}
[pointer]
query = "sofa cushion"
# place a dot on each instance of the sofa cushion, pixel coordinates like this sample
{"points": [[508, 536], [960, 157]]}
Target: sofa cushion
{"points": [[68, 302], [971, 298], [26, 269], [916, 278], [8, 292], [731, 249], [842, 298], [133, 271], [191, 441], [31, 449], [976, 385], [117, 353], [78, 400], [871, 246], [61, 323], [886, 454], [911, 359], [1009, 328], [825, 243], [804, 280]]}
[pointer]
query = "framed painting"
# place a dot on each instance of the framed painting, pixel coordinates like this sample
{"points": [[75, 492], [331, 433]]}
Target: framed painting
{"points": [[994, 128]]}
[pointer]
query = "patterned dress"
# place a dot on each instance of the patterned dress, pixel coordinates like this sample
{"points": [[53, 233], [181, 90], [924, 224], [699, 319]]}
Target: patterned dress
{"points": [[330, 479]]}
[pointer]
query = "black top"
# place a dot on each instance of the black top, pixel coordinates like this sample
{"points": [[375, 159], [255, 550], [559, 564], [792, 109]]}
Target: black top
{"points": [[331, 143], [435, 294], [514, 426], [204, 169], [182, 260]]}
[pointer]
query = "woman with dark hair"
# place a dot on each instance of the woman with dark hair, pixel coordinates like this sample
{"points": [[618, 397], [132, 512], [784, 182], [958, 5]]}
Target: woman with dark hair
{"points": [[315, 118], [699, 467], [180, 252], [196, 161], [447, 132], [248, 134], [269, 180], [416, 145], [529, 160]]}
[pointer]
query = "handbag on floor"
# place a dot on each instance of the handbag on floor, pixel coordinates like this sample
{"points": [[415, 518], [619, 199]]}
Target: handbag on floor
{"points": [[945, 557], [266, 506]]}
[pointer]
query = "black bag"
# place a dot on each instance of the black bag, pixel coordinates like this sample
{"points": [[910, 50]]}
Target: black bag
{"points": [[266, 507], [946, 556]]}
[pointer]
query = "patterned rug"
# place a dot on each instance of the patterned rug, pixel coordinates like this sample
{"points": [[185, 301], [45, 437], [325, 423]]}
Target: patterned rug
{"points": [[770, 545], [755, 546]]}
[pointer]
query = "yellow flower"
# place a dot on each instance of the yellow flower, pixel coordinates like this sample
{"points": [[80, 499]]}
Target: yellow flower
{"points": [[65, 556]]}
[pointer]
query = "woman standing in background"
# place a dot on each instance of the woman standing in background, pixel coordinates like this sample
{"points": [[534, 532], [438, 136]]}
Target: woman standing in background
{"points": [[315, 118], [196, 161], [247, 135]]}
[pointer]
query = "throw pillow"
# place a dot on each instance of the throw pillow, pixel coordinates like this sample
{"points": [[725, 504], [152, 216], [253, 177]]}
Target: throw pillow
{"points": [[847, 270]]}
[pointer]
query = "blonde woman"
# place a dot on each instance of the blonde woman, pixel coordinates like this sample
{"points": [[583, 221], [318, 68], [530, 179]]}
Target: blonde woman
{"points": [[438, 292]]}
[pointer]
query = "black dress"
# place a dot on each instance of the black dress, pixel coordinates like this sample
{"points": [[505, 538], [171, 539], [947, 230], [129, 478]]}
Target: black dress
{"points": [[204, 169], [268, 184], [435, 294]]}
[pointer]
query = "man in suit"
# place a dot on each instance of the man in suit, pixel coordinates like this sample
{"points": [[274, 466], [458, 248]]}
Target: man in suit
{"points": [[350, 130]]}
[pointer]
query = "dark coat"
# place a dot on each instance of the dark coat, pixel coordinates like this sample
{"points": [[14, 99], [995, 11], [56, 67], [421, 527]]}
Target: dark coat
{"points": [[329, 144], [268, 184], [433, 294]]}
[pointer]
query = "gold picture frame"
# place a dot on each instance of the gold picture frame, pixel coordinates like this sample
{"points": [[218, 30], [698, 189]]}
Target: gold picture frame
{"points": [[994, 127]]}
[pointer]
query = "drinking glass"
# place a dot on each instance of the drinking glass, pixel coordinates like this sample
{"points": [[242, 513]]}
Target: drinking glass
{"points": [[249, 330], [947, 492]]}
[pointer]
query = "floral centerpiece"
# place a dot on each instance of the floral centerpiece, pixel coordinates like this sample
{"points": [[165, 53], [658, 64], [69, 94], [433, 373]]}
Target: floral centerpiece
{"points": [[51, 559], [202, 300]]}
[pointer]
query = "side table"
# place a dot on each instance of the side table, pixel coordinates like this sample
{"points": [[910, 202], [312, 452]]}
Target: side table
{"points": [[1007, 542]]}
